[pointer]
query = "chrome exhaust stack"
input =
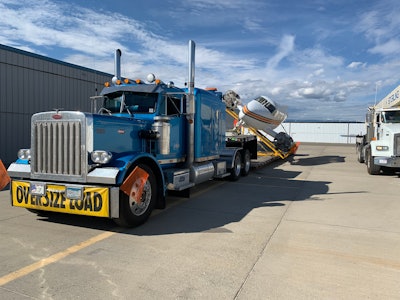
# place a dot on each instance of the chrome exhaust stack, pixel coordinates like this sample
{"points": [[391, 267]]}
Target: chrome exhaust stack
{"points": [[190, 109], [117, 66]]}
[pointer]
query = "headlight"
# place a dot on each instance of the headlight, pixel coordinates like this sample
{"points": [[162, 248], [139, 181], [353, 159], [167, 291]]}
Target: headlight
{"points": [[382, 148], [24, 154], [100, 157]]}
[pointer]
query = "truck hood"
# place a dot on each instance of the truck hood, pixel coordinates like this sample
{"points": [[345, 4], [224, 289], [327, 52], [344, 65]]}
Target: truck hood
{"points": [[391, 127]]}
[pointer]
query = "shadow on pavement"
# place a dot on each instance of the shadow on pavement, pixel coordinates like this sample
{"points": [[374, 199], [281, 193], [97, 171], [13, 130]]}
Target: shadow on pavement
{"points": [[215, 204], [319, 160]]}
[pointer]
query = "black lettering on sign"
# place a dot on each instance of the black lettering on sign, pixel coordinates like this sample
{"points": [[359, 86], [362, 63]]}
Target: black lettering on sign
{"points": [[26, 195], [38, 200], [62, 204], [19, 194], [88, 201], [79, 204], [54, 199], [71, 204], [22, 194], [97, 202]]}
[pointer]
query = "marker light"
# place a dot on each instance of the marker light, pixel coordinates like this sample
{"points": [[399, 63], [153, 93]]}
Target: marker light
{"points": [[24, 154], [107, 84], [126, 80], [118, 81], [100, 156], [382, 148], [150, 78], [138, 81], [158, 81]]}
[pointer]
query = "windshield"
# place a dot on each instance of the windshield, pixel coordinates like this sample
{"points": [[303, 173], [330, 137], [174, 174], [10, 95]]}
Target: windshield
{"points": [[131, 102], [391, 116]]}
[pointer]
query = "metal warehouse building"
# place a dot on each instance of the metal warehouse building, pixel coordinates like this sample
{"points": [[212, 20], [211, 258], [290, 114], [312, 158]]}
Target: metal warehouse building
{"points": [[324, 132], [32, 83]]}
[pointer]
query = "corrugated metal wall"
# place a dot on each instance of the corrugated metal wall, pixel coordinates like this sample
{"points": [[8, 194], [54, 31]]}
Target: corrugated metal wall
{"points": [[31, 83], [344, 133]]}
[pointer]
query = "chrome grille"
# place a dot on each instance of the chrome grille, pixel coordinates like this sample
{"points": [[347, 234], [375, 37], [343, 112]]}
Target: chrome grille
{"points": [[57, 147], [397, 144]]}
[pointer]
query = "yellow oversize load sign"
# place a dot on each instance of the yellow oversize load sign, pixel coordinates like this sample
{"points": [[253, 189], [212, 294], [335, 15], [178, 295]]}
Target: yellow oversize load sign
{"points": [[93, 201]]}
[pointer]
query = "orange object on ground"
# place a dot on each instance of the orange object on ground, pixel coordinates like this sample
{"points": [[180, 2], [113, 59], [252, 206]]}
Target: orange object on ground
{"points": [[134, 184], [4, 178], [294, 150]]}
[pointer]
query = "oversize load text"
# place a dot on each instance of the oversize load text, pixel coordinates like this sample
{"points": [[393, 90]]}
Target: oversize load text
{"points": [[94, 202]]}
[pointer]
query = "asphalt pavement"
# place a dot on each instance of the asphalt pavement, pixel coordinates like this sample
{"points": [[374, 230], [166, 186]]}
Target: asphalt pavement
{"points": [[314, 226]]}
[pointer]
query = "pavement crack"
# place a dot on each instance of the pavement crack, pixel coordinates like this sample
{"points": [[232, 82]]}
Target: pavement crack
{"points": [[261, 253]]}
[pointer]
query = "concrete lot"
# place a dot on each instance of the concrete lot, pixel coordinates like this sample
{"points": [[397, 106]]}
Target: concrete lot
{"points": [[313, 227]]}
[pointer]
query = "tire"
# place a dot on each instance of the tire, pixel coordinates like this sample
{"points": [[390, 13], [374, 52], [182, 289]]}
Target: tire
{"points": [[360, 157], [237, 167], [246, 164], [131, 213], [372, 168]]}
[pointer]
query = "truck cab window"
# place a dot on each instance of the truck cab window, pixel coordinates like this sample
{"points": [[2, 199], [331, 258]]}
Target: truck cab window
{"points": [[391, 117], [174, 105], [113, 104], [133, 101]]}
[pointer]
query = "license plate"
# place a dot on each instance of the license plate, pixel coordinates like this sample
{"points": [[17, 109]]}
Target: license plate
{"points": [[90, 201]]}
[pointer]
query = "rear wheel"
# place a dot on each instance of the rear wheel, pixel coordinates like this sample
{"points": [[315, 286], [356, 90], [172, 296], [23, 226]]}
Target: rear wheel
{"points": [[134, 213], [237, 167], [246, 163], [372, 168]]}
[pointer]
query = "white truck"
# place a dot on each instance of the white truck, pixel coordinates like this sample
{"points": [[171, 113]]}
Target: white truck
{"points": [[379, 148]]}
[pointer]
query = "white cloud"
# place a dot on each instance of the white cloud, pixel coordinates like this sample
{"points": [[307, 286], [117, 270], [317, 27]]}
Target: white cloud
{"points": [[297, 72], [356, 65], [286, 47], [381, 26], [391, 46]]}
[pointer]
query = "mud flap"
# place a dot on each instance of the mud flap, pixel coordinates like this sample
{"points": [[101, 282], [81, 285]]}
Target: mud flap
{"points": [[4, 178], [134, 184]]}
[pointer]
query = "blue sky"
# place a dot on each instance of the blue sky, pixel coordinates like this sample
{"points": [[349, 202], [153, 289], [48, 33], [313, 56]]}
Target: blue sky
{"points": [[323, 59]]}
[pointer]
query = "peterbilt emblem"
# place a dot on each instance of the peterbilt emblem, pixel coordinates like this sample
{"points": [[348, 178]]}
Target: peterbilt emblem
{"points": [[57, 116]]}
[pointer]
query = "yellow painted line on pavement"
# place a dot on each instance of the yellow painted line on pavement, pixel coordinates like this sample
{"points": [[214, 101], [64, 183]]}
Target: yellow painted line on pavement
{"points": [[53, 258], [60, 255]]}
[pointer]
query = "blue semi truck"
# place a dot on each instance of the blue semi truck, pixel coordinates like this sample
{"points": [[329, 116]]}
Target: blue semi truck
{"points": [[146, 140]]}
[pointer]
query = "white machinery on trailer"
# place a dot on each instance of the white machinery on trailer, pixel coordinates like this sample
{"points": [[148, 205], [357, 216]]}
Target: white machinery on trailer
{"points": [[261, 116]]}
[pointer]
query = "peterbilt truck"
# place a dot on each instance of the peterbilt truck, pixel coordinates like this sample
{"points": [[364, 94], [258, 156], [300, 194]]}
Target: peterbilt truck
{"points": [[120, 162], [379, 148]]}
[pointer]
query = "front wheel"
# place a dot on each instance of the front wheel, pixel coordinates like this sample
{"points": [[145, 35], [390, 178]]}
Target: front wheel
{"points": [[360, 156], [134, 213], [372, 168]]}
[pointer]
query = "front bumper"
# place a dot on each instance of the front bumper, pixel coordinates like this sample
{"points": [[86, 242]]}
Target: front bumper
{"points": [[98, 201], [391, 162]]}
